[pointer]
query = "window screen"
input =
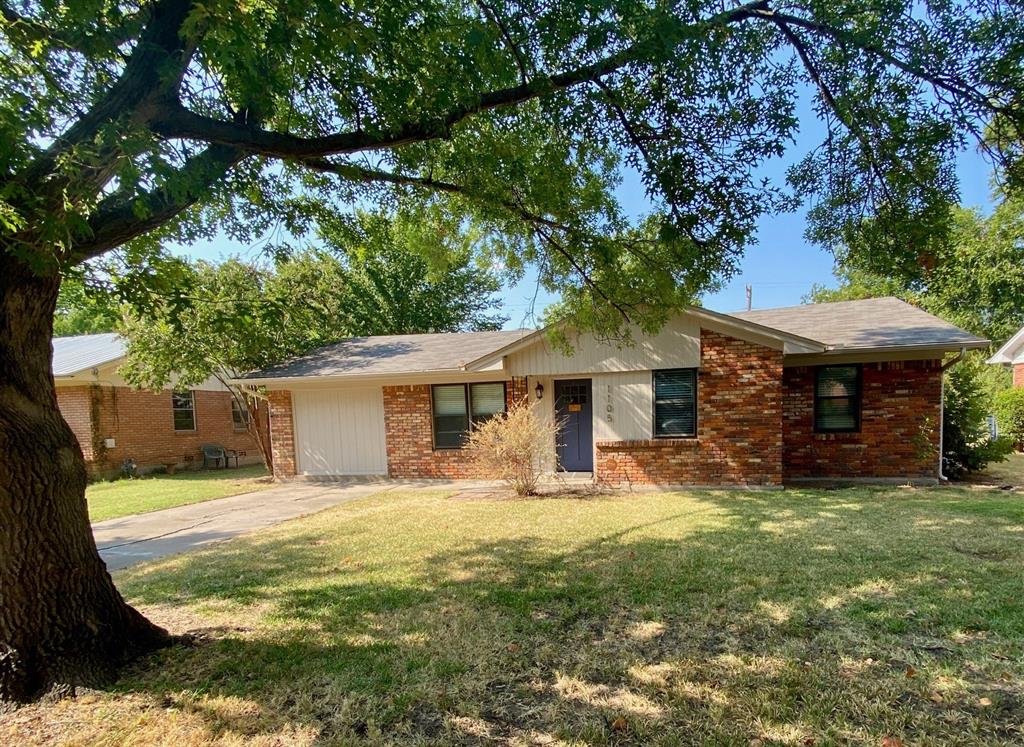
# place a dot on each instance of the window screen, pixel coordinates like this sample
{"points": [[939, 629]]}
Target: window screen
{"points": [[675, 402], [183, 404], [837, 399], [486, 401], [451, 421]]}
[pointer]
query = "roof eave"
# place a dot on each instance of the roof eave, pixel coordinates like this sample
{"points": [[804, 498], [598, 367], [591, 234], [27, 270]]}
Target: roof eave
{"points": [[1008, 352], [950, 346]]}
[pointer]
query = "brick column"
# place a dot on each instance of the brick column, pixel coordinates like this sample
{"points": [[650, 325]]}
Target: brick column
{"points": [[282, 434], [1018, 374]]}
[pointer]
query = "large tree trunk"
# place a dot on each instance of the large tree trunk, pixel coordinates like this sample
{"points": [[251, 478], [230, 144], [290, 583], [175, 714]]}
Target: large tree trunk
{"points": [[62, 621]]}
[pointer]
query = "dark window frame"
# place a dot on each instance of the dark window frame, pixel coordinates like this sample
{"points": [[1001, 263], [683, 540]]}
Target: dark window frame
{"points": [[245, 413], [466, 387], [174, 410], [654, 402], [857, 398]]}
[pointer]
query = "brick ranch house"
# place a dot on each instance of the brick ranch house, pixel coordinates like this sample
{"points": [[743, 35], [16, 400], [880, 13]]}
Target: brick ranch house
{"points": [[114, 422], [1012, 355], [840, 390]]}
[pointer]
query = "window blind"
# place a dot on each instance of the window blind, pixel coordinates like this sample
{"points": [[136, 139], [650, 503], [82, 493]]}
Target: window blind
{"points": [[675, 402]]}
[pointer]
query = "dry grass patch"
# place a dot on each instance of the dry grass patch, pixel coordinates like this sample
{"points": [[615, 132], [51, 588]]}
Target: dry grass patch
{"points": [[846, 616]]}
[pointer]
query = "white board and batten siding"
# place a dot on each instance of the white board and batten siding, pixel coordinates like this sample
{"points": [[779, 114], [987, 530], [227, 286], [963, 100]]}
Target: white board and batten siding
{"points": [[340, 431], [677, 345]]}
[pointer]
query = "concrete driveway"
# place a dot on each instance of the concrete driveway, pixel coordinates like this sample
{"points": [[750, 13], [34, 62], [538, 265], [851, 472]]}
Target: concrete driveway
{"points": [[135, 539]]}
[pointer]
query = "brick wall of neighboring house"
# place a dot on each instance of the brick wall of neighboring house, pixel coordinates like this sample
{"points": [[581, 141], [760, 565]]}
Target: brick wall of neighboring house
{"points": [[739, 426], [1018, 374], [282, 433], [142, 426], [409, 434], [75, 405], [899, 436]]}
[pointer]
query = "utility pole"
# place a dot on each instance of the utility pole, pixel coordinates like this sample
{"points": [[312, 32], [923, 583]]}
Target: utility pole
{"points": [[750, 296]]}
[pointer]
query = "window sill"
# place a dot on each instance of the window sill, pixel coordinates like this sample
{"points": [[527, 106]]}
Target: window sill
{"points": [[649, 443]]}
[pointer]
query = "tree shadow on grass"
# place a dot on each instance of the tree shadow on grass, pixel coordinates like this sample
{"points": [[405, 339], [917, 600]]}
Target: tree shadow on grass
{"points": [[839, 616]]}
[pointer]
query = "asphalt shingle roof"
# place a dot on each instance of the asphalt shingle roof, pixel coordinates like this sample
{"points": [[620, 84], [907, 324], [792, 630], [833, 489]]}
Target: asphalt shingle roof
{"points": [[82, 352], [869, 323], [389, 354]]}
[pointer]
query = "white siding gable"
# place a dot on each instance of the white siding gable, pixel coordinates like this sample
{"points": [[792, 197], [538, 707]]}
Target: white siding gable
{"points": [[677, 345]]}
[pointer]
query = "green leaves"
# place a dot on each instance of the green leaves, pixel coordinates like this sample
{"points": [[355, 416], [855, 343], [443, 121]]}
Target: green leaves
{"points": [[515, 119], [236, 316]]}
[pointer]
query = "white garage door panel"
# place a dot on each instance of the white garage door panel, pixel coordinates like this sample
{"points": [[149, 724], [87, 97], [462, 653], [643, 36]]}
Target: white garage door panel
{"points": [[340, 432]]}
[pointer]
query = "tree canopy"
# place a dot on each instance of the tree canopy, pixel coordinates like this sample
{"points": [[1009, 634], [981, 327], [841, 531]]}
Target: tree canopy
{"points": [[368, 279], [133, 124]]}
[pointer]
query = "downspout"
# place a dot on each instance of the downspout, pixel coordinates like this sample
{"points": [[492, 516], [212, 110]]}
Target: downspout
{"points": [[942, 405]]}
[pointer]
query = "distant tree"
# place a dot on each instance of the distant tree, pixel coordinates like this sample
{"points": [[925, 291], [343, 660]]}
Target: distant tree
{"points": [[238, 316], [81, 312], [974, 279]]}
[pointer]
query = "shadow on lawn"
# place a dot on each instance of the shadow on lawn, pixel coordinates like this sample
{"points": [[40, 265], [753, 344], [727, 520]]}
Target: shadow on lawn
{"points": [[790, 615]]}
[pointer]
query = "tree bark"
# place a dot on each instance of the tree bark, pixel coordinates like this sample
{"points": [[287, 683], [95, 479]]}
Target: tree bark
{"points": [[62, 621]]}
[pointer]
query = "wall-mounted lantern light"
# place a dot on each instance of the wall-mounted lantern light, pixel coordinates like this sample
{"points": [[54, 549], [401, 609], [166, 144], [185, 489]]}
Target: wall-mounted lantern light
{"points": [[539, 389]]}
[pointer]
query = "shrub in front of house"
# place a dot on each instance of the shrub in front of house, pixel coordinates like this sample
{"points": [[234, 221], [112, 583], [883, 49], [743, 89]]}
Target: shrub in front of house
{"points": [[1009, 412], [513, 447]]}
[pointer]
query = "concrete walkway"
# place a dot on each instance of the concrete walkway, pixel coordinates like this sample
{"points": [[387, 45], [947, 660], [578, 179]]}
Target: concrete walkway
{"points": [[134, 539]]}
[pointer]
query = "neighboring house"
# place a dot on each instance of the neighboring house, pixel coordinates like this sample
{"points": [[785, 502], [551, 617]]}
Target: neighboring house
{"points": [[1012, 354], [114, 422], [841, 390]]}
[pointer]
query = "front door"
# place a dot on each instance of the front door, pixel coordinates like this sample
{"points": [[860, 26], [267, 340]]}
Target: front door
{"points": [[573, 407]]}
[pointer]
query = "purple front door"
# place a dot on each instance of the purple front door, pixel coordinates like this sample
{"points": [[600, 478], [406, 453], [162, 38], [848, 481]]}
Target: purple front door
{"points": [[573, 408]]}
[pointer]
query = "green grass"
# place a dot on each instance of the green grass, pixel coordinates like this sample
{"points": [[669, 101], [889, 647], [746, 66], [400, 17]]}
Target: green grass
{"points": [[110, 500], [797, 617], [1009, 472]]}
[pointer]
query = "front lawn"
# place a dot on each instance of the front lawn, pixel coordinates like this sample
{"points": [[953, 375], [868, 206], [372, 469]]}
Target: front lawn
{"points": [[110, 500], [882, 616]]}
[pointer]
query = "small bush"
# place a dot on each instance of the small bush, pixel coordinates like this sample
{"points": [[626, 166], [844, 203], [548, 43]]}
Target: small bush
{"points": [[514, 447], [966, 446], [1009, 412]]}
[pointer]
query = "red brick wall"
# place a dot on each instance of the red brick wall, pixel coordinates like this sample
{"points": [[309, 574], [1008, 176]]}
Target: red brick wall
{"points": [[282, 433], [1018, 374], [899, 436], [74, 404], [409, 434], [142, 426], [739, 426]]}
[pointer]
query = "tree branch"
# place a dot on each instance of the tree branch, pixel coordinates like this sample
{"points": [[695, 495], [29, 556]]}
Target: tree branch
{"points": [[176, 121], [355, 173], [957, 88], [826, 93], [119, 222], [492, 15], [140, 80]]}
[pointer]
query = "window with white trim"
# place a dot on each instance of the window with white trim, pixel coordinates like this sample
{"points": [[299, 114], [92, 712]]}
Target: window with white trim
{"points": [[183, 407]]}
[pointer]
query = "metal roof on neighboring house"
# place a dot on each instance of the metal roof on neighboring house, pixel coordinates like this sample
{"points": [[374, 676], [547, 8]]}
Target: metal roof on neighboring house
{"points": [[72, 355], [392, 354], [869, 324]]}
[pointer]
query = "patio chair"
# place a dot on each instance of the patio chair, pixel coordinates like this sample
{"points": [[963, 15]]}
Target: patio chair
{"points": [[215, 454]]}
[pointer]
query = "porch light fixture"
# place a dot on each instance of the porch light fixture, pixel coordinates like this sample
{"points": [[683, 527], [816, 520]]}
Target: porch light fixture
{"points": [[539, 389]]}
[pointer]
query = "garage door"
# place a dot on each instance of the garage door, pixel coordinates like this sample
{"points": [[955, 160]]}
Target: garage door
{"points": [[340, 432]]}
